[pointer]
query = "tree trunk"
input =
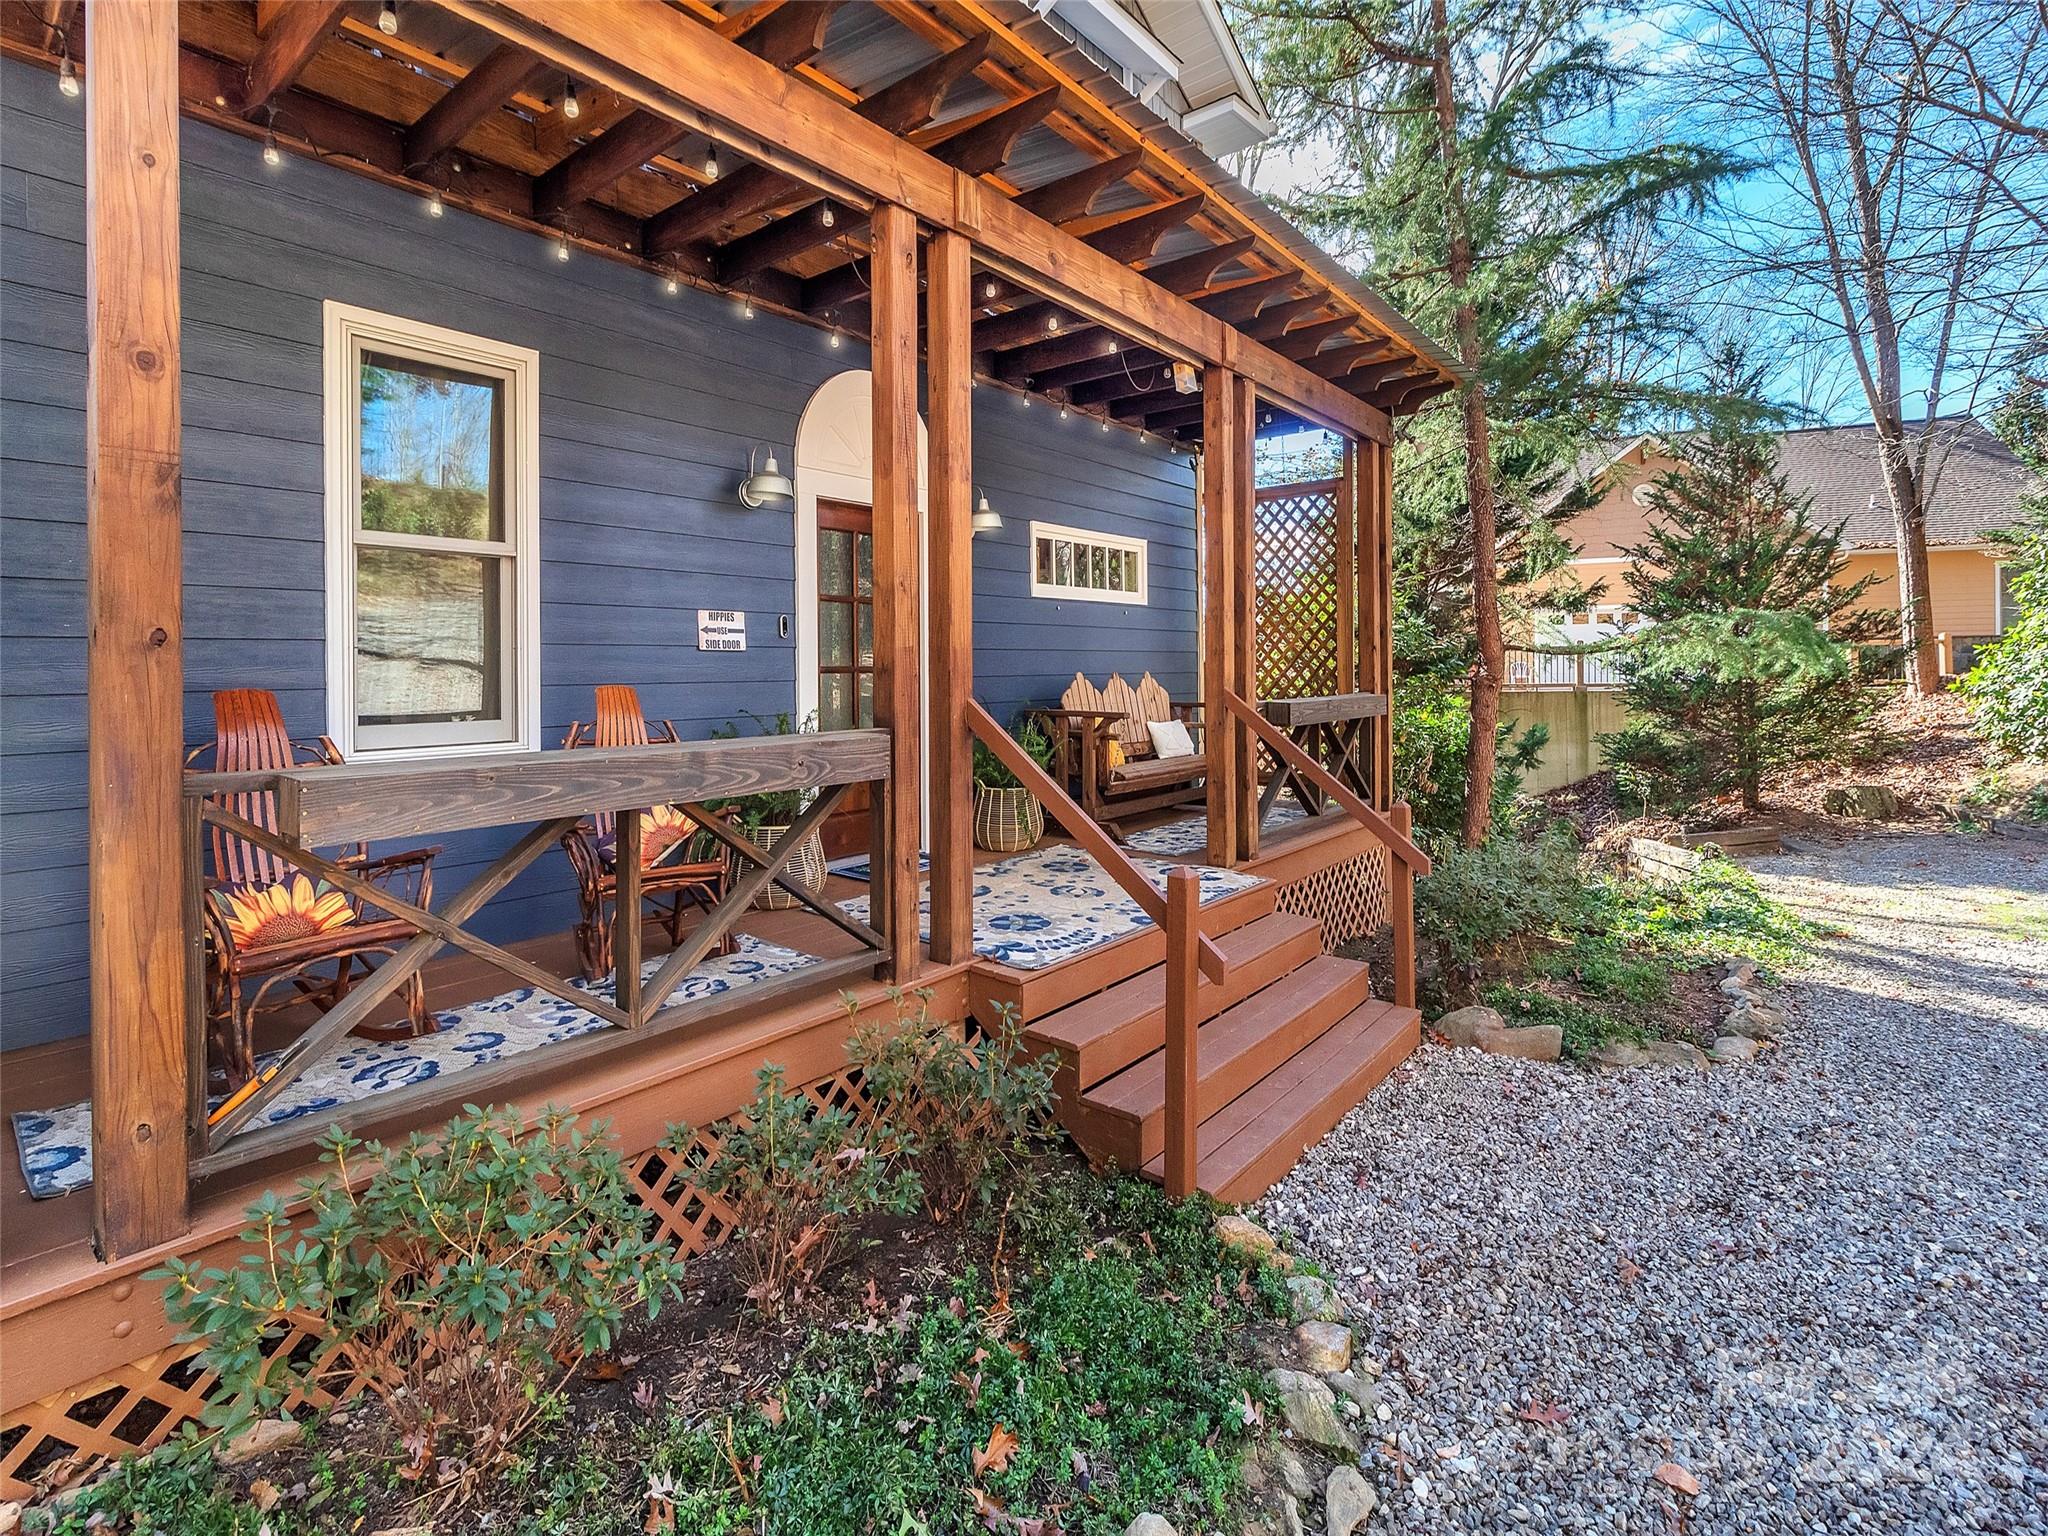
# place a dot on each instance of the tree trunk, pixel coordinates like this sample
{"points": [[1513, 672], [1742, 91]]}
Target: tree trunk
{"points": [[1480, 765], [1909, 522]]}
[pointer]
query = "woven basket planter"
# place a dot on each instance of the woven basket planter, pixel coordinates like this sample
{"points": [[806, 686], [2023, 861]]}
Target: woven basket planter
{"points": [[806, 867], [1007, 820]]}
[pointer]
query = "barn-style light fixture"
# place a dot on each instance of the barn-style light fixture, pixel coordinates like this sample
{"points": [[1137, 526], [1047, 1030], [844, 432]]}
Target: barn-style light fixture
{"points": [[986, 518], [763, 486]]}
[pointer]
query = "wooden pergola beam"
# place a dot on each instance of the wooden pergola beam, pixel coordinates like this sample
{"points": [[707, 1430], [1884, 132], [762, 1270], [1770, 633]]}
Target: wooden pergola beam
{"points": [[1338, 361], [983, 142], [625, 146], [1070, 196], [1273, 321], [1135, 235], [137, 847], [1304, 341], [289, 47], [503, 73], [1241, 301]]}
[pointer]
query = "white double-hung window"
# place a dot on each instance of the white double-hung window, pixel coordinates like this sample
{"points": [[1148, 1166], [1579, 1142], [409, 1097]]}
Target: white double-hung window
{"points": [[433, 515]]}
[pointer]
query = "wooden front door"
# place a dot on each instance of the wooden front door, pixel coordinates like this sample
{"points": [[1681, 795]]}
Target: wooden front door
{"points": [[846, 649]]}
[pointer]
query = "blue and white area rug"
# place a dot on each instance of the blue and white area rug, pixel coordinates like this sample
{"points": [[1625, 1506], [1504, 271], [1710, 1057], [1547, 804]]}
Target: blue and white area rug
{"points": [[1048, 905], [56, 1144], [1177, 839]]}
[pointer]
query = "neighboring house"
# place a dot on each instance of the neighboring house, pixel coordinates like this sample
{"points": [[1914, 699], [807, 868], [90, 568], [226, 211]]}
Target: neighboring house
{"points": [[1976, 487]]}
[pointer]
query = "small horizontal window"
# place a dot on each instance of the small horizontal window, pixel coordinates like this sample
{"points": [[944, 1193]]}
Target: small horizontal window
{"points": [[1097, 567]]}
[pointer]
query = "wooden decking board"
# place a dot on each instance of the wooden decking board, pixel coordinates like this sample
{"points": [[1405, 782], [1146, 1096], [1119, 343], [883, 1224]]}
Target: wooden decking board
{"points": [[1124, 1120], [1105, 1033], [1249, 1144]]}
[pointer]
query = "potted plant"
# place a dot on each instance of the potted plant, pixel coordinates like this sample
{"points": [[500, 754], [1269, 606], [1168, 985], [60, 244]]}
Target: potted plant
{"points": [[1007, 816], [767, 817]]}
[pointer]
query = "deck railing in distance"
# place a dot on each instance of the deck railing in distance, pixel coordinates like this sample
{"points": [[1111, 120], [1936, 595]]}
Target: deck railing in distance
{"points": [[1578, 670], [322, 807], [1408, 860]]}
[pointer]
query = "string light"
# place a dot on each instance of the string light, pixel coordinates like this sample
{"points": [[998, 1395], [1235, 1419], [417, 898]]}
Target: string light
{"points": [[1105, 423], [826, 217], [67, 76], [561, 247], [833, 341], [1063, 413], [747, 309], [673, 287], [989, 289], [435, 207], [711, 162], [387, 19], [571, 107], [272, 155], [1052, 323]]}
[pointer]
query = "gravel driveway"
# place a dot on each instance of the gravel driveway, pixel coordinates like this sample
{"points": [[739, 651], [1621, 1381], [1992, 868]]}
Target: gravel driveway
{"points": [[1815, 1282]]}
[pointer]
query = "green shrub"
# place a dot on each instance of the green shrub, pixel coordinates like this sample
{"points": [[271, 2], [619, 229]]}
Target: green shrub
{"points": [[1476, 901], [796, 1175], [989, 772], [471, 1273], [1432, 726], [969, 1106], [2009, 683]]}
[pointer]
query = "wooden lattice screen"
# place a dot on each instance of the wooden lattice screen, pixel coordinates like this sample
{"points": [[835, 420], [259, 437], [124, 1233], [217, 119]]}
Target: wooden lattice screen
{"points": [[1294, 565], [57, 1441]]}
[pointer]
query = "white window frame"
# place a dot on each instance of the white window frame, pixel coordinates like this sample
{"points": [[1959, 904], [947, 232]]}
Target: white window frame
{"points": [[347, 331], [1114, 541]]}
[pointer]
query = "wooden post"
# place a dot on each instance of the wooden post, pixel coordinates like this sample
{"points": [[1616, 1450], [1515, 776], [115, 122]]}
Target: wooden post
{"points": [[1244, 619], [1347, 572], [1380, 485], [626, 928], [893, 360], [1183, 1074], [949, 368], [1401, 910], [1219, 552], [134, 628]]}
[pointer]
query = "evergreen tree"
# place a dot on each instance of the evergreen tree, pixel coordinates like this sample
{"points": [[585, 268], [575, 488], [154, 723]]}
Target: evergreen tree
{"points": [[1745, 663], [2009, 683]]}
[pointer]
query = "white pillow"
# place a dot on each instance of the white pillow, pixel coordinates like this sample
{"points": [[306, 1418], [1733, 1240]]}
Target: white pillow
{"points": [[1170, 738]]}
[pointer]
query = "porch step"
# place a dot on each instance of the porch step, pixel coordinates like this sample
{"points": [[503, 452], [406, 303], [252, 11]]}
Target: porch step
{"points": [[1105, 1033], [1245, 1148], [1123, 1120]]}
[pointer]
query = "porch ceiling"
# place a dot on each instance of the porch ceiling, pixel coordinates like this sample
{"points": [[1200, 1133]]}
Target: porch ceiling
{"points": [[447, 106]]}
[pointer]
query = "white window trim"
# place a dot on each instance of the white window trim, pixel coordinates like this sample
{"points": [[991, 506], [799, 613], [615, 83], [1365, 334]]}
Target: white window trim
{"points": [[1138, 599], [346, 328], [1999, 615]]}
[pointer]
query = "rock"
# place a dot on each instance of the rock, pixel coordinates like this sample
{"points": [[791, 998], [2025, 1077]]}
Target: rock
{"points": [[1248, 1239], [1465, 1026], [1290, 1514], [1310, 1408], [1755, 1021], [1676, 1053], [1150, 1525], [1731, 1048], [1354, 1386], [1323, 1347], [1293, 1476], [1311, 1300], [1873, 802], [259, 1439], [1743, 971], [1348, 1501], [1616, 1054], [1530, 1042]]}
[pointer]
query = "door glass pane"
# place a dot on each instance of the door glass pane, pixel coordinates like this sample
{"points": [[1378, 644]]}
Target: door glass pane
{"points": [[867, 634], [835, 634], [835, 702], [864, 564], [867, 698], [835, 562], [432, 450], [427, 637]]}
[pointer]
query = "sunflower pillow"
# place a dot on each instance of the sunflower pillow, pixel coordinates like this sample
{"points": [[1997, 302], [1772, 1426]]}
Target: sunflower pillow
{"points": [[663, 830], [259, 916]]}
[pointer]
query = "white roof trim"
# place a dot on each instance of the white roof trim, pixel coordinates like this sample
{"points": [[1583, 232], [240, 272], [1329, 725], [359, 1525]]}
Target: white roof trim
{"points": [[1117, 33], [1226, 126]]}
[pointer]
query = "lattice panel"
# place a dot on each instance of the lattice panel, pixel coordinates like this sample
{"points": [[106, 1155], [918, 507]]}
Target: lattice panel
{"points": [[1294, 566], [1348, 899], [55, 1442]]}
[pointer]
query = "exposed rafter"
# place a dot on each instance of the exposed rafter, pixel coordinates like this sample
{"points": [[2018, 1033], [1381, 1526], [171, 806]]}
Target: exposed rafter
{"points": [[1275, 319], [503, 73], [980, 143], [1243, 300], [1197, 270], [1070, 196], [296, 37], [1134, 236], [1303, 341]]}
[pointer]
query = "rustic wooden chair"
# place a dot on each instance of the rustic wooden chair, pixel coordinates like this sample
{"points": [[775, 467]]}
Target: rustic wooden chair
{"points": [[670, 881], [1102, 748], [267, 923]]}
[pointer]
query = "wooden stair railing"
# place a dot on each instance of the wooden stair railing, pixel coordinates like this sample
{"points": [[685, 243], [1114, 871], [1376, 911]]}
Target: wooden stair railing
{"points": [[1408, 860]]}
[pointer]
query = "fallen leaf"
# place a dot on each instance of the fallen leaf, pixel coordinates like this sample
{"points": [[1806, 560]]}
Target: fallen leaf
{"points": [[1629, 1269], [995, 1456], [1549, 1415], [607, 1368], [873, 1299], [264, 1494], [771, 1410], [1672, 1475]]}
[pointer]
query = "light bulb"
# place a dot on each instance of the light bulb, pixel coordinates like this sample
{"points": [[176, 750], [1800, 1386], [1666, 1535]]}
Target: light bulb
{"points": [[988, 289], [561, 248], [571, 107], [833, 341], [747, 309], [826, 217], [711, 162], [387, 19], [1052, 323], [435, 207], [67, 77], [1105, 423], [673, 287], [1063, 413], [272, 155]]}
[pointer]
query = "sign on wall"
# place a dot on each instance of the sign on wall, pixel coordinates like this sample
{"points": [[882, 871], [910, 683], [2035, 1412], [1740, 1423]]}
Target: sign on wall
{"points": [[721, 629]]}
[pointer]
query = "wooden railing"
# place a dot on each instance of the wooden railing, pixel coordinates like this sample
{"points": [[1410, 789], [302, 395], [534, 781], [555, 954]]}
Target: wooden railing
{"points": [[322, 807], [1533, 667]]}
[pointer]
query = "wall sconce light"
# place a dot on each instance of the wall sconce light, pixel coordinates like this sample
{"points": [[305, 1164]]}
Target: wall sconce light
{"points": [[764, 486], [986, 518]]}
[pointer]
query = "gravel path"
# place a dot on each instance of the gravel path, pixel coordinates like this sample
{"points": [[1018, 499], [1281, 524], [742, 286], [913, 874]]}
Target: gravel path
{"points": [[1816, 1282]]}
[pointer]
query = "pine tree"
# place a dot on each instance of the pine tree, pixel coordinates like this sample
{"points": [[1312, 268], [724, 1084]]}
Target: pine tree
{"points": [[1746, 663]]}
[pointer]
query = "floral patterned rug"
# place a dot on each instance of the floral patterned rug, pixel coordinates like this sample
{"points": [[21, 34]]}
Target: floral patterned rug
{"points": [[55, 1145], [1177, 839], [1038, 908]]}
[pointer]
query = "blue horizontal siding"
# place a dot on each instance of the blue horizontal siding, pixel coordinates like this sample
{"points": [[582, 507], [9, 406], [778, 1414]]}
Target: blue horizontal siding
{"points": [[649, 406]]}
